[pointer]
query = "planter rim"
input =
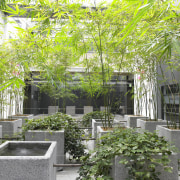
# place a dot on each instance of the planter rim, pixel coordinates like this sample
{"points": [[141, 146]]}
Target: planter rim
{"points": [[165, 127], [46, 155], [19, 115], [9, 120], [131, 115], [101, 119], [158, 120], [45, 130]]}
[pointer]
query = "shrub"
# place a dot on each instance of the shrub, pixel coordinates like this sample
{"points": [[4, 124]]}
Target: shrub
{"points": [[137, 150], [73, 143]]}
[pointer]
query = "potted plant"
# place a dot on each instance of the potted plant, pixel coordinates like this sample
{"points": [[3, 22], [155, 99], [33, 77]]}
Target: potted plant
{"points": [[58, 127], [135, 155], [87, 118], [171, 130], [149, 82], [94, 119]]}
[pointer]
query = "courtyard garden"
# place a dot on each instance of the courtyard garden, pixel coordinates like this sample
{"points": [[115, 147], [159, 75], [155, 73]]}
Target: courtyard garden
{"points": [[97, 83]]}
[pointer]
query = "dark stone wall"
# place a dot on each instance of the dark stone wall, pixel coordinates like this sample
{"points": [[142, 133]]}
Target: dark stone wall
{"points": [[37, 103]]}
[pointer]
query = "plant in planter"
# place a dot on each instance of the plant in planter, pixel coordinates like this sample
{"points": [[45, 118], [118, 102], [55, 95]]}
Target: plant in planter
{"points": [[99, 36], [149, 83], [72, 138], [58, 78], [11, 86], [93, 120], [144, 156], [87, 118], [170, 93]]}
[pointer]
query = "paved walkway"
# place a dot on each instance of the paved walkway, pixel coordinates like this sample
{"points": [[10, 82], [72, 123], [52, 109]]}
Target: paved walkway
{"points": [[69, 173]]}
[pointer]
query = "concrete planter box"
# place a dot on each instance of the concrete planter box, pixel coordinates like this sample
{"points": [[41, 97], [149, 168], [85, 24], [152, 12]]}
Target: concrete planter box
{"points": [[53, 109], [58, 136], [95, 123], [27, 166], [101, 132], [70, 110], [98, 122], [22, 116], [132, 120], [170, 135], [120, 172], [88, 109], [105, 108], [150, 125], [11, 127]]}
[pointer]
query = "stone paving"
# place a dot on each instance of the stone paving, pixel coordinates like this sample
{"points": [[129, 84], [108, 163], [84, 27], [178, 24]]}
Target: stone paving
{"points": [[68, 173]]}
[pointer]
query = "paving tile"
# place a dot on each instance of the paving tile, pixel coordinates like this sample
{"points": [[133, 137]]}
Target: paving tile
{"points": [[69, 173]]}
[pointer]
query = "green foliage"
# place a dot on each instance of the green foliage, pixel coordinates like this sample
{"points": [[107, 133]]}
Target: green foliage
{"points": [[123, 35], [87, 118], [73, 143], [138, 152]]}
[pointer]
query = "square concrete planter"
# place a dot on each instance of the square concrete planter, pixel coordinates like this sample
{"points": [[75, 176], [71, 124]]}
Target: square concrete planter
{"points": [[53, 109], [101, 131], [58, 136], [21, 160], [103, 108], [22, 116], [132, 120], [98, 122], [120, 172], [150, 125], [95, 123], [70, 110], [88, 109], [11, 127], [171, 135]]}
